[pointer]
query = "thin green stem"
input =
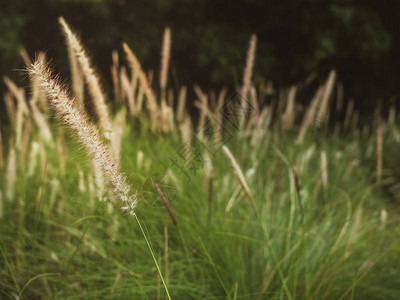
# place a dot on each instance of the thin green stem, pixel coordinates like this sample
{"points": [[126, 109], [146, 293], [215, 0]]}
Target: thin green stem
{"points": [[152, 255]]}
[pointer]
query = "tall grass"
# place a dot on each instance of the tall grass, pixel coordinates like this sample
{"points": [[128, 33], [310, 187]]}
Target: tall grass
{"points": [[263, 203]]}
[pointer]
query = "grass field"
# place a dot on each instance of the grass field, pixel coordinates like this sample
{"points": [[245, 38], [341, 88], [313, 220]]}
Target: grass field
{"points": [[257, 197]]}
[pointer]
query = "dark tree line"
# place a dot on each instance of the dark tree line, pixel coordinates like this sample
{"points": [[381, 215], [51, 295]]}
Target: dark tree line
{"points": [[358, 38]]}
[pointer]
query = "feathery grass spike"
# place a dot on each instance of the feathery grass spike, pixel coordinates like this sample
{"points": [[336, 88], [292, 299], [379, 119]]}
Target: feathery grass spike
{"points": [[91, 77], [87, 133], [136, 68], [241, 177], [165, 55], [248, 70]]}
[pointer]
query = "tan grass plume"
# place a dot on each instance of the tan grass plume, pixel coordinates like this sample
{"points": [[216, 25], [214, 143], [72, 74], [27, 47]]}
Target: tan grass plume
{"points": [[379, 153], [136, 68], [86, 132], [241, 177], [323, 111], [90, 76], [289, 115], [165, 55], [248, 70], [324, 170]]}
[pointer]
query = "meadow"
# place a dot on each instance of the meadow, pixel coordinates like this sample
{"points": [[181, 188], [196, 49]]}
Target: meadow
{"points": [[258, 194]]}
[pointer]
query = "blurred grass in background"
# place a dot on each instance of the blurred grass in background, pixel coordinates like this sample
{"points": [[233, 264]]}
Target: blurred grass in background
{"points": [[300, 204]]}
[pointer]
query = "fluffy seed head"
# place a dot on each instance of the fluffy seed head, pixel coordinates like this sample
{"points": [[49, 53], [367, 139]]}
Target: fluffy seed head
{"points": [[165, 54], [86, 132], [90, 75], [137, 69], [248, 70]]}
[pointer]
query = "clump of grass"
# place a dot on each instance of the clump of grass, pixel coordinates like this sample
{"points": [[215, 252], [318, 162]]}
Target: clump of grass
{"points": [[323, 228]]}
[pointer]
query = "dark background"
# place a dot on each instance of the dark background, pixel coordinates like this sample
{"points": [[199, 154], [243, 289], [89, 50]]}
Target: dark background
{"points": [[296, 39]]}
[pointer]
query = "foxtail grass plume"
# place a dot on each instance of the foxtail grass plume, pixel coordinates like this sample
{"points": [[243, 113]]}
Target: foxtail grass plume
{"points": [[181, 104], [22, 110], [379, 153], [203, 110], [139, 99], [247, 74], [165, 55], [187, 130], [241, 177], [127, 91], [349, 114], [248, 70], [254, 102], [384, 217], [309, 116], [10, 107], [18, 93], [144, 83], [86, 132], [289, 115], [76, 77], [90, 76], [324, 169], [114, 74], [322, 114]]}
